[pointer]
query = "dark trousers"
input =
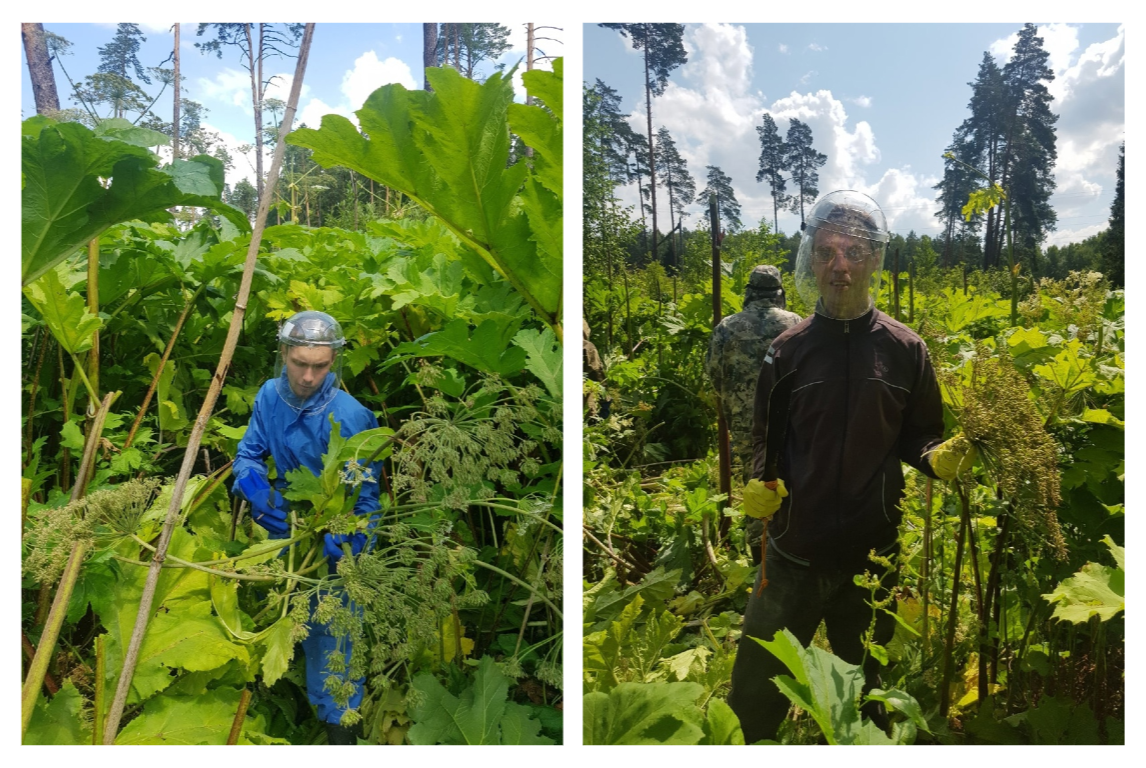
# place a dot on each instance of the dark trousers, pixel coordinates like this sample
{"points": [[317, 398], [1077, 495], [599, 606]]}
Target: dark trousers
{"points": [[797, 598]]}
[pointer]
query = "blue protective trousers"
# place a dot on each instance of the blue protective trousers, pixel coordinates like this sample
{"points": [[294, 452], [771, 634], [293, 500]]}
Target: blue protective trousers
{"points": [[317, 647]]}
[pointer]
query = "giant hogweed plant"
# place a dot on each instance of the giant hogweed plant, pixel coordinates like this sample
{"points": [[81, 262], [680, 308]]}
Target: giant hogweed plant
{"points": [[1034, 607], [465, 564]]}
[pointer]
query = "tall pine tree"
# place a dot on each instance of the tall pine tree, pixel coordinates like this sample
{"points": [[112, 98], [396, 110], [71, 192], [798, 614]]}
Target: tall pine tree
{"points": [[123, 52], [720, 184], [1031, 155], [679, 182], [956, 186], [470, 44], [773, 164], [256, 44], [804, 162], [663, 46], [1010, 137]]}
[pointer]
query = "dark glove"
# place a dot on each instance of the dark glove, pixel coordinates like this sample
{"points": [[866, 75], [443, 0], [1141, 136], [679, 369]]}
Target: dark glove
{"points": [[267, 506], [332, 544]]}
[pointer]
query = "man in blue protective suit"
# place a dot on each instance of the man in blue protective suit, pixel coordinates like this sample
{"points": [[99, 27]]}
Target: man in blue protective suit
{"points": [[290, 422]]}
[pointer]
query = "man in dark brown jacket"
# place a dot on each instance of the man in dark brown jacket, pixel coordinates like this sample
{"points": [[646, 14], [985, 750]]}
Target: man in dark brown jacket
{"points": [[864, 398]]}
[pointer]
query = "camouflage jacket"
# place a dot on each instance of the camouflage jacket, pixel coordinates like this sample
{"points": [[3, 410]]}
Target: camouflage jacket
{"points": [[735, 355]]}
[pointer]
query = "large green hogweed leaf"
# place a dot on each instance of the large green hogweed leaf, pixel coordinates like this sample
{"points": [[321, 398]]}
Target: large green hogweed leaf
{"points": [[58, 720], [1096, 590], [652, 713], [447, 150], [64, 204], [828, 688], [479, 715]]}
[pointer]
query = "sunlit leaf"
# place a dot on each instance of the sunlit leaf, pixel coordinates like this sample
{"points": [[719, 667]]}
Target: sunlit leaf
{"points": [[64, 204], [655, 713], [447, 149], [57, 720], [543, 357], [65, 312]]}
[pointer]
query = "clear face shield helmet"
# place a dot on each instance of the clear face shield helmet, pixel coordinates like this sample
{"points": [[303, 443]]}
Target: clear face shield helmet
{"points": [[839, 263], [309, 356]]}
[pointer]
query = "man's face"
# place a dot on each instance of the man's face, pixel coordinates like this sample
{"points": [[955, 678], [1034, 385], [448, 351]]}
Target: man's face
{"points": [[843, 266], [306, 368]]}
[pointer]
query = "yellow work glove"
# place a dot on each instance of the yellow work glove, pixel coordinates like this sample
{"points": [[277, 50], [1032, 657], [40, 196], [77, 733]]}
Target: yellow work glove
{"points": [[953, 458], [760, 501]]}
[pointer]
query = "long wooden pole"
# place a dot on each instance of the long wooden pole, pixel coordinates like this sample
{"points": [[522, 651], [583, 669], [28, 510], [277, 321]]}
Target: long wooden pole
{"points": [[724, 448], [131, 657]]}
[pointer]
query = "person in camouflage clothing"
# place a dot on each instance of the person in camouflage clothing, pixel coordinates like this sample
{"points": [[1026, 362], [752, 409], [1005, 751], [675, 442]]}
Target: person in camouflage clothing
{"points": [[733, 362]]}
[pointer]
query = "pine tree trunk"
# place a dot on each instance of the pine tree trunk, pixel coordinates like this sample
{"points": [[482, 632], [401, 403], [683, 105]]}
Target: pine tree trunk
{"points": [[256, 70], [528, 68], [429, 51], [178, 91], [40, 69], [652, 159]]}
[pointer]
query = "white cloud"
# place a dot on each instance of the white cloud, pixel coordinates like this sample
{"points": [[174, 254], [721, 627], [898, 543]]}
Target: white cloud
{"points": [[1061, 237], [1089, 98], [712, 112], [311, 114], [731, 70], [369, 74], [906, 199], [519, 41], [807, 78], [230, 86], [279, 88], [861, 101], [518, 37], [233, 87], [160, 29], [783, 48], [817, 47], [1001, 49], [244, 161]]}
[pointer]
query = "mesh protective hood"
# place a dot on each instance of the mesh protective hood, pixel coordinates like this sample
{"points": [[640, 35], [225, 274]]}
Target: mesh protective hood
{"points": [[838, 267]]}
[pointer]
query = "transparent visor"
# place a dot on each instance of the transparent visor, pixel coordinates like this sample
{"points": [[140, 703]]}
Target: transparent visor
{"points": [[307, 376], [838, 270]]}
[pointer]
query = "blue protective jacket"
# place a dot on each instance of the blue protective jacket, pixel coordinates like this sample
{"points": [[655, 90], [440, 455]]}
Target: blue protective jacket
{"points": [[297, 433]]}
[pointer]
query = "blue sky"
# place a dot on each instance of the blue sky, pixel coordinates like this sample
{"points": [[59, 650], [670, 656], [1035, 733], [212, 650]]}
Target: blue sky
{"points": [[883, 101], [347, 62]]}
